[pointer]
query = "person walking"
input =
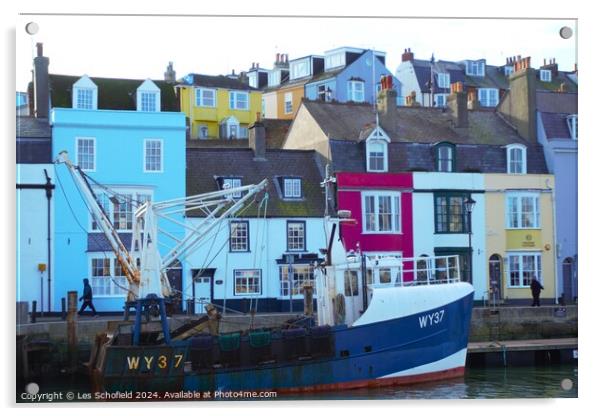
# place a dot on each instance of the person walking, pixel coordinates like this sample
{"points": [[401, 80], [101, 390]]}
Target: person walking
{"points": [[87, 298], [536, 289]]}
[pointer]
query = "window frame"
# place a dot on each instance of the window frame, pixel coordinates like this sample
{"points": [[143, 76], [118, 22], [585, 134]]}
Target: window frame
{"points": [[464, 228], [109, 207], [235, 101], [573, 125], [288, 101], [144, 155], [521, 255], [200, 128], [90, 90], [290, 223], [443, 98], [443, 80], [283, 274], [247, 293], [452, 157], [396, 226], [385, 155], [77, 153], [231, 180], [475, 68], [510, 161], [113, 264], [247, 237], [296, 66], [199, 99], [352, 90], [547, 77], [292, 181], [487, 102], [152, 97], [519, 210]]}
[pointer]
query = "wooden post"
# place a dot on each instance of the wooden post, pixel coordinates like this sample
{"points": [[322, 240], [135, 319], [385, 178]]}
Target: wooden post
{"points": [[72, 329], [308, 300]]}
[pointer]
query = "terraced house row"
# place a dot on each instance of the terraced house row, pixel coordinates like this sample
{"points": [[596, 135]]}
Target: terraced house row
{"points": [[495, 185]]}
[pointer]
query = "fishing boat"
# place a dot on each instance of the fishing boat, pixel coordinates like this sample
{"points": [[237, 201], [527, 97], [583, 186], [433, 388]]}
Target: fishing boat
{"points": [[378, 321]]}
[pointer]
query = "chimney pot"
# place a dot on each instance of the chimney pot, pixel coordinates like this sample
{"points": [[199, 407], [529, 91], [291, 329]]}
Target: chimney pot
{"points": [[40, 48]]}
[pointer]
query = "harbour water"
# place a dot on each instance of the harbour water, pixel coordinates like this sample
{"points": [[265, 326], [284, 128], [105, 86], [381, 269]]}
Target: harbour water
{"points": [[555, 381]]}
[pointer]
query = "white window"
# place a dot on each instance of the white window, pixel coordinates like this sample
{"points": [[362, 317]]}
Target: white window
{"points": [[523, 268], [334, 60], [119, 206], [300, 69], [84, 98], [376, 155], [294, 278], [522, 210], [545, 75], [572, 122], [239, 236], [381, 212], [288, 103], [243, 132], [203, 131], [274, 78], [488, 97], [295, 236], [355, 91], [445, 158], [440, 100], [239, 100], [508, 70], [153, 155], [247, 282], [292, 188], [148, 101], [229, 183], [443, 80], [204, 97], [262, 107], [107, 278], [516, 156], [86, 153], [475, 68], [253, 79]]}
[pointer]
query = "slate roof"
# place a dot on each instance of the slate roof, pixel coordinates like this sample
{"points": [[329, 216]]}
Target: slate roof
{"points": [[215, 81], [275, 132], [561, 78], [555, 125], [349, 156], [203, 164], [422, 69], [34, 143], [554, 107], [494, 78], [414, 124], [113, 93], [479, 148]]}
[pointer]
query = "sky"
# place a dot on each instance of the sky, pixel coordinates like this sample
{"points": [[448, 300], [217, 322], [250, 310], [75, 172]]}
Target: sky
{"points": [[141, 46]]}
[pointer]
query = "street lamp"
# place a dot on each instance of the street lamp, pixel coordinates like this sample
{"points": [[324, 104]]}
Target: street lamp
{"points": [[469, 204]]}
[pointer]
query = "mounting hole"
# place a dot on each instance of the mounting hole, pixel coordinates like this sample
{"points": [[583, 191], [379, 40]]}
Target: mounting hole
{"points": [[32, 28], [566, 32], [32, 388], [566, 384]]}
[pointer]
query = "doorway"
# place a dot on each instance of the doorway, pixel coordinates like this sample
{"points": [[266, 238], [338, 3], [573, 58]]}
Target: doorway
{"points": [[202, 288], [495, 278]]}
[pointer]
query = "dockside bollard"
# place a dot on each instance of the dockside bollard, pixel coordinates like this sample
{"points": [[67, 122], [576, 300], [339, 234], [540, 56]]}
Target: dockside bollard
{"points": [[34, 307], [72, 329]]}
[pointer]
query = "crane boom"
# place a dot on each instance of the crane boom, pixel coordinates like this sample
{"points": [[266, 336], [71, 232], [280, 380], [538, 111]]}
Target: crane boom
{"points": [[143, 265]]}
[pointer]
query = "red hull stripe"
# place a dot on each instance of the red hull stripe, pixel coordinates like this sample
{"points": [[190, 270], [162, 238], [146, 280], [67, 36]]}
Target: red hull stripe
{"points": [[378, 382]]}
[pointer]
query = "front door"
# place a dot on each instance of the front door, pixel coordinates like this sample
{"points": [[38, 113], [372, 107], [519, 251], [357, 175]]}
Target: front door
{"points": [[202, 293], [567, 279], [495, 278]]}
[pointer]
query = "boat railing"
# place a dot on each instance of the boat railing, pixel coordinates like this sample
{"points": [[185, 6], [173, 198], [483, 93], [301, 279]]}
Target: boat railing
{"points": [[417, 271]]}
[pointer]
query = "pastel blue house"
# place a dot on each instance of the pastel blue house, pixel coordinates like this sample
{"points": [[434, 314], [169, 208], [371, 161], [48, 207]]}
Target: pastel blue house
{"points": [[129, 139], [350, 74]]}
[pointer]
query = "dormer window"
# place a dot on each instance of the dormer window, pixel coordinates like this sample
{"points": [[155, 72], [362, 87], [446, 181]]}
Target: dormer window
{"points": [[300, 69], [355, 91], [475, 68], [516, 156], [545, 75], [443, 80], [292, 187], [377, 151], [229, 183], [508, 70], [274, 78], [85, 94], [572, 123], [488, 97], [445, 157], [148, 97]]}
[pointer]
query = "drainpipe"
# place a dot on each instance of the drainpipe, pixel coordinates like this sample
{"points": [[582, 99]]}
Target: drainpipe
{"points": [[553, 189], [48, 188]]}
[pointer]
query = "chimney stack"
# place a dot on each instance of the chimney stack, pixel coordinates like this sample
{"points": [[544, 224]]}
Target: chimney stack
{"points": [[411, 99], [519, 106], [170, 74], [386, 105], [257, 140], [457, 102], [551, 65], [41, 85], [407, 55]]}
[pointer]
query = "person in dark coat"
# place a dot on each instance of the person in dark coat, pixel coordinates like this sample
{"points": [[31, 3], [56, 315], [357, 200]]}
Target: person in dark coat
{"points": [[536, 289], [87, 298]]}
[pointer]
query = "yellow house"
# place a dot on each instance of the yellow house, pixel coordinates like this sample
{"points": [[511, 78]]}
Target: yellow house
{"points": [[218, 106], [520, 236]]}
